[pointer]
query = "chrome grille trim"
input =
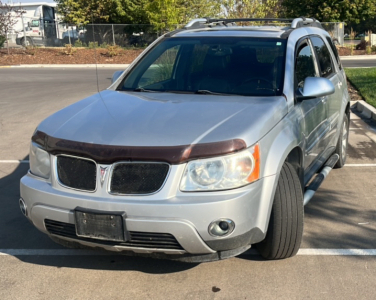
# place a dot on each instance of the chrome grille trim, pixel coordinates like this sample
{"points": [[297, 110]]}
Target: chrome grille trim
{"points": [[77, 157]]}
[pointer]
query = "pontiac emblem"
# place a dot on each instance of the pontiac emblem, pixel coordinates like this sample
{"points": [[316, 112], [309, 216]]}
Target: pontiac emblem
{"points": [[103, 174]]}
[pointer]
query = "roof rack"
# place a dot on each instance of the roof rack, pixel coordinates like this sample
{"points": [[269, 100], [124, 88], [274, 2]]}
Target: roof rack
{"points": [[295, 23]]}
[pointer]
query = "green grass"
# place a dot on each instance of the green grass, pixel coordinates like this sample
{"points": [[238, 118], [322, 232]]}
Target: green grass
{"points": [[364, 80]]}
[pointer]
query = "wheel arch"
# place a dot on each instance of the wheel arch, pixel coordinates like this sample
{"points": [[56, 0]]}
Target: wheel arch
{"points": [[295, 158], [282, 144], [347, 110]]}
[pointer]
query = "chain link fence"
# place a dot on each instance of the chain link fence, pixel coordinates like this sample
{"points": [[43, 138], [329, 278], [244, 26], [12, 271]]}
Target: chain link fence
{"points": [[53, 34], [336, 31]]}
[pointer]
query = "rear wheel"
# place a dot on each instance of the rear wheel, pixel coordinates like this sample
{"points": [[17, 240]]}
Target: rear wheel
{"points": [[342, 143], [286, 220]]}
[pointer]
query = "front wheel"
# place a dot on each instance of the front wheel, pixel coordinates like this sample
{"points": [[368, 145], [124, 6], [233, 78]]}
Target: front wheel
{"points": [[285, 229], [342, 143], [26, 43]]}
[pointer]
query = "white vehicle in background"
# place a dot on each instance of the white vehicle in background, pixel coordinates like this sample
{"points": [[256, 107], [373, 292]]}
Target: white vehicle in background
{"points": [[37, 26]]}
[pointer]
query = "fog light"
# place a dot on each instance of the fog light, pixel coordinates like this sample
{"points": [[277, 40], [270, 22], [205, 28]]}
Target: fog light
{"points": [[221, 227], [23, 206]]}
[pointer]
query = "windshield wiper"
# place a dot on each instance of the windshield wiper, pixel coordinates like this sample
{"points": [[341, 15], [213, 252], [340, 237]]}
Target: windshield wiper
{"points": [[140, 89], [207, 92], [179, 92]]}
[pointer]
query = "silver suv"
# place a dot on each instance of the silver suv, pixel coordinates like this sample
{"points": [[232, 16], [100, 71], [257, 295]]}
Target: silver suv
{"points": [[203, 147]]}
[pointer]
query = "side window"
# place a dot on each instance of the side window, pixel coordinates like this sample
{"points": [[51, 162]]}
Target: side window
{"points": [[161, 69], [34, 23], [304, 64], [323, 56], [334, 49]]}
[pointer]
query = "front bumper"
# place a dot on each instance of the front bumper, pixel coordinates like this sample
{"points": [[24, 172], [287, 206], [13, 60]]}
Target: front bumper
{"points": [[186, 216]]}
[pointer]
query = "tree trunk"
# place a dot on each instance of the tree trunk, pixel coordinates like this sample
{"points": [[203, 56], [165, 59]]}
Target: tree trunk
{"points": [[6, 35]]}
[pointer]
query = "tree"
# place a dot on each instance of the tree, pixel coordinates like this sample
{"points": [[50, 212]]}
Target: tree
{"points": [[250, 8], [331, 11], [167, 14], [105, 11], [8, 18]]}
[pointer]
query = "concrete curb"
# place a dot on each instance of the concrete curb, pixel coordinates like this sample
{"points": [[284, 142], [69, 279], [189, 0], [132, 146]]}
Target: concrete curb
{"points": [[367, 110], [109, 66], [357, 57]]}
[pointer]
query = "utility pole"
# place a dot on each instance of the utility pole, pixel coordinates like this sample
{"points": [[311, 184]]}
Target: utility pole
{"points": [[23, 26]]}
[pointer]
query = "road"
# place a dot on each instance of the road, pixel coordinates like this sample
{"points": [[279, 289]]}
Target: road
{"points": [[358, 63], [339, 219]]}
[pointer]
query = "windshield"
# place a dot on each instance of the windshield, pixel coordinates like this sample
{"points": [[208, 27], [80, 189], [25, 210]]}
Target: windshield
{"points": [[211, 65]]}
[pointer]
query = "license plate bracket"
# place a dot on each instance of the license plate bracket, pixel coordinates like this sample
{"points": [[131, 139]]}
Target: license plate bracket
{"points": [[94, 224]]}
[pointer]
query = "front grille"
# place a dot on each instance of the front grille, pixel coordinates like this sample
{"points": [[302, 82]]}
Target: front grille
{"points": [[138, 178], [138, 239], [77, 173]]}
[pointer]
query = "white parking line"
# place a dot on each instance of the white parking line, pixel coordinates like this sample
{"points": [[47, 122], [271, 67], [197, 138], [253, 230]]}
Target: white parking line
{"points": [[353, 252], [360, 165], [14, 161], [77, 252]]}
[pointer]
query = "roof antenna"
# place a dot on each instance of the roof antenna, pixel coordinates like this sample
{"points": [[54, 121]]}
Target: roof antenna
{"points": [[95, 56], [96, 67]]}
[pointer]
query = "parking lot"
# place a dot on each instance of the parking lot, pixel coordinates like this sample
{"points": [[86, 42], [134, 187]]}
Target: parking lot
{"points": [[336, 260]]}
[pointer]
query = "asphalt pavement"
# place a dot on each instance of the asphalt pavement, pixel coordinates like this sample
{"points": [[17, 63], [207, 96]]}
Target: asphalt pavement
{"points": [[362, 62], [340, 220]]}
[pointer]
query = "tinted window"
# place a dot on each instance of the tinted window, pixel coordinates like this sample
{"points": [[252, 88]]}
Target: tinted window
{"points": [[323, 56], [229, 65], [334, 49], [161, 69], [304, 65]]}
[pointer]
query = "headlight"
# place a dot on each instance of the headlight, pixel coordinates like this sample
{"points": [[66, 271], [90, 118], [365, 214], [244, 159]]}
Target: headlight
{"points": [[40, 164], [222, 173]]}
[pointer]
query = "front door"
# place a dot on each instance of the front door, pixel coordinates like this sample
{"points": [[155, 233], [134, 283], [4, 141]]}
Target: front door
{"points": [[315, 115], [329, 71]]}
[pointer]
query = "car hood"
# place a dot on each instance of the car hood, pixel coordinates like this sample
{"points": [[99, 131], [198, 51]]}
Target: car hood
{"points": [[165, 119]]}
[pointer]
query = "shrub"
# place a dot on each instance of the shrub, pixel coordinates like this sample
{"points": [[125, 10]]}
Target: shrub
{"points": [[113, 50], [362, 45], [2, 40], [373, 48], [92, 45], [368, 50], [104, 45], [31, 50], [69, 50], [78, 43]]}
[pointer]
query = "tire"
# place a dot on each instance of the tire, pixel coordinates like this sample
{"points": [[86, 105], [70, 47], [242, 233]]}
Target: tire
{"points": [[285, 228], [29, 42], [342, 143]]}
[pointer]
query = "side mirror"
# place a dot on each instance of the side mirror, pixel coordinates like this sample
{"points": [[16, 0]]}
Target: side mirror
{"points": [[116, 75], [315, 87]]}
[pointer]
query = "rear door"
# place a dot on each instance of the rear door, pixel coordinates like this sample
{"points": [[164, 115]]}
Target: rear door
{"points": [[328, 70], [315, 117]]}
